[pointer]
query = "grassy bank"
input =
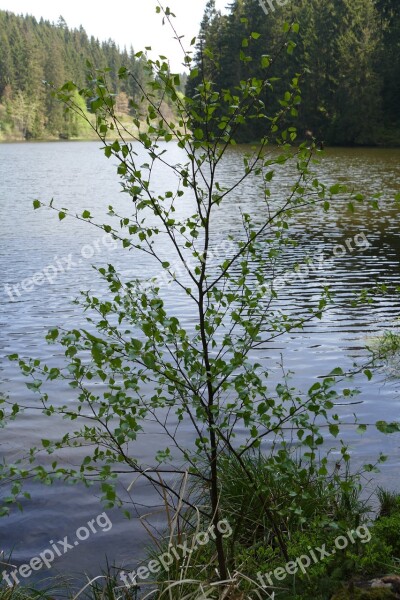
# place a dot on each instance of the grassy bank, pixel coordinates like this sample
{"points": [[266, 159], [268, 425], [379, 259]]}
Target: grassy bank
{"points": [[337, 547]]}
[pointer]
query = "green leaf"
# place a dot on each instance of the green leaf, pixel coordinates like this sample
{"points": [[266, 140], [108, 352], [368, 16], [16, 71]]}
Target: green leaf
{"points": [[147, 329], [34, 385], [368, 374], [334, 430], [387, 428], [265, 61], [61, 215], [37, 204], [122, 169], [335, 189], [315, 387], [53, 334]]}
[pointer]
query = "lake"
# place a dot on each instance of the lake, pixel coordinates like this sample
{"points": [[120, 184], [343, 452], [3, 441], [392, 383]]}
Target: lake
{"points": [[78, 176]]}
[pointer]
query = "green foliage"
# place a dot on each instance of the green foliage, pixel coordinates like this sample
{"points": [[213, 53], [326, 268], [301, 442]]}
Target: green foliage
{"points": [[347, 52], [350, 82], [385, 351], [137, 363], [380, 556], [386, 346], [387, 529], [252, 552], [300, 494], [36, 52], [311, 509], [375, 559], [389, 503]]}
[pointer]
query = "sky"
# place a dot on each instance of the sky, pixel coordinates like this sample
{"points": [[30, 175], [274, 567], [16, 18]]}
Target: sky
{"points": [[126, 22]]}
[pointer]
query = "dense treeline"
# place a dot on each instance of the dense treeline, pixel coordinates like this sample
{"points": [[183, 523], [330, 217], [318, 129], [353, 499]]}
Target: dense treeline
{"points": [[32, 52], [348, 51]]}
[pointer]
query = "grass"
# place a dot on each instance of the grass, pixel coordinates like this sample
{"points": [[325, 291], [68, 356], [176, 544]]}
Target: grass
{"points": [[385, 349], [311, 509], [25, 593], [389, 502]]}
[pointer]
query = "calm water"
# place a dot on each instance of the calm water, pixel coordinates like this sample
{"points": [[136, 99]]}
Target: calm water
{"points": [[77, 176]]}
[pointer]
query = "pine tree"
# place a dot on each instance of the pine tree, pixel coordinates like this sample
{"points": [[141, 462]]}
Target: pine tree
{"points": [[346, 80], [389, 17]]}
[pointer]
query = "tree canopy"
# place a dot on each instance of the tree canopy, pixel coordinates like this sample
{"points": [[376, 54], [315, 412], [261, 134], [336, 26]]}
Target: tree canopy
{"points": [[33, 52], [348, 53]]}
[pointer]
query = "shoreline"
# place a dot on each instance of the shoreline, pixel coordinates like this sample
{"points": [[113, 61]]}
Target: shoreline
{"points": [[55, 140]]}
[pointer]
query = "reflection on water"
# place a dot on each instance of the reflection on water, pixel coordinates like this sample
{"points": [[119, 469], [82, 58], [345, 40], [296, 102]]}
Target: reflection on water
{"points": [[77, 176]]}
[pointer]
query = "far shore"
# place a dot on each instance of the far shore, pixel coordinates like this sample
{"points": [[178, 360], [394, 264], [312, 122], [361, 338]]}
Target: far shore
{"points": [[94, 138]]}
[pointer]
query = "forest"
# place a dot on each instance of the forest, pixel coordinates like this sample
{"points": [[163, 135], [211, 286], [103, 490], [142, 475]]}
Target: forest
{"points": [[350, 84], [35, 52], [347, 54]]}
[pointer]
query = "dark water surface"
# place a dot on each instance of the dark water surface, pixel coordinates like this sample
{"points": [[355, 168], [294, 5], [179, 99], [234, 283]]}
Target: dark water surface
{"points": [[78, 177]]}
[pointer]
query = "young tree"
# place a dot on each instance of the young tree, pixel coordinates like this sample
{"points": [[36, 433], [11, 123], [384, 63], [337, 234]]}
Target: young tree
{"points": [[210, 375]]}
